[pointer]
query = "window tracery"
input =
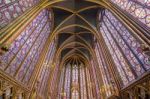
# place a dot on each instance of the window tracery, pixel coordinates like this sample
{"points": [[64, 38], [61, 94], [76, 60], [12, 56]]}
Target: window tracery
{"points": [[74, 84], [123, 47], [139, 9], [11, 9], [24, 52]]}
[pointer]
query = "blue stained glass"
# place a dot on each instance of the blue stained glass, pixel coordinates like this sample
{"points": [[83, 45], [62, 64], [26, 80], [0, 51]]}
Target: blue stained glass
{"points": [[27, 45], [132, 42], [26, 49], [21, 39], [41, 44], [29, 72], [33, 52], [115, 56], [13, 65], [131, 57], [61, 82], [139, 9], [74, 83], [104, 70], [12, 9], [95, 76], [123, 47], [23, 69], [44, 73]]}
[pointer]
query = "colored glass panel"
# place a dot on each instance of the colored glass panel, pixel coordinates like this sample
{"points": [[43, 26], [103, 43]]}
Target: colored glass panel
{"points": [[104, 72], [139, 9], [74, 84], [24, 52], [11, 9], [123, 47]]}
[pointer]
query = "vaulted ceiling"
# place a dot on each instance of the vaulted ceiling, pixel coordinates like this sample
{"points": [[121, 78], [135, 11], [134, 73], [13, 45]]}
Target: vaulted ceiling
{"points": [[74, 21]]}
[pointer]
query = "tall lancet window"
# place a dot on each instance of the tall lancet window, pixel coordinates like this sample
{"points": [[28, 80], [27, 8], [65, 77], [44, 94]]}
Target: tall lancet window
{"points": [[108, 86], [21, 59], [138, 9], [124, 48], [45, 73], [74, 82]]}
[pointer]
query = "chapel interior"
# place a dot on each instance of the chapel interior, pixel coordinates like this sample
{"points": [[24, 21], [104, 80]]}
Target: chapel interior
{"points": [[74, 49]]}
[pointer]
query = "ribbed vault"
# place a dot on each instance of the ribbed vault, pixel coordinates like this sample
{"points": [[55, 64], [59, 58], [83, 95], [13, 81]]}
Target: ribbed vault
{"points": [[74, 23]]}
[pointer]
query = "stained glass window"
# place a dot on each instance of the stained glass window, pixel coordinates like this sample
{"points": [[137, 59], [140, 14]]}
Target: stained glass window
{"points": [[83, 83], [67, 82], [88, 88], [104, 72], [22, 57], [74, 83], [123, 47], [54, 78], [95, 76], [139, 9], [45, 70], [61, 83], [107, 84], [11, 9]]}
